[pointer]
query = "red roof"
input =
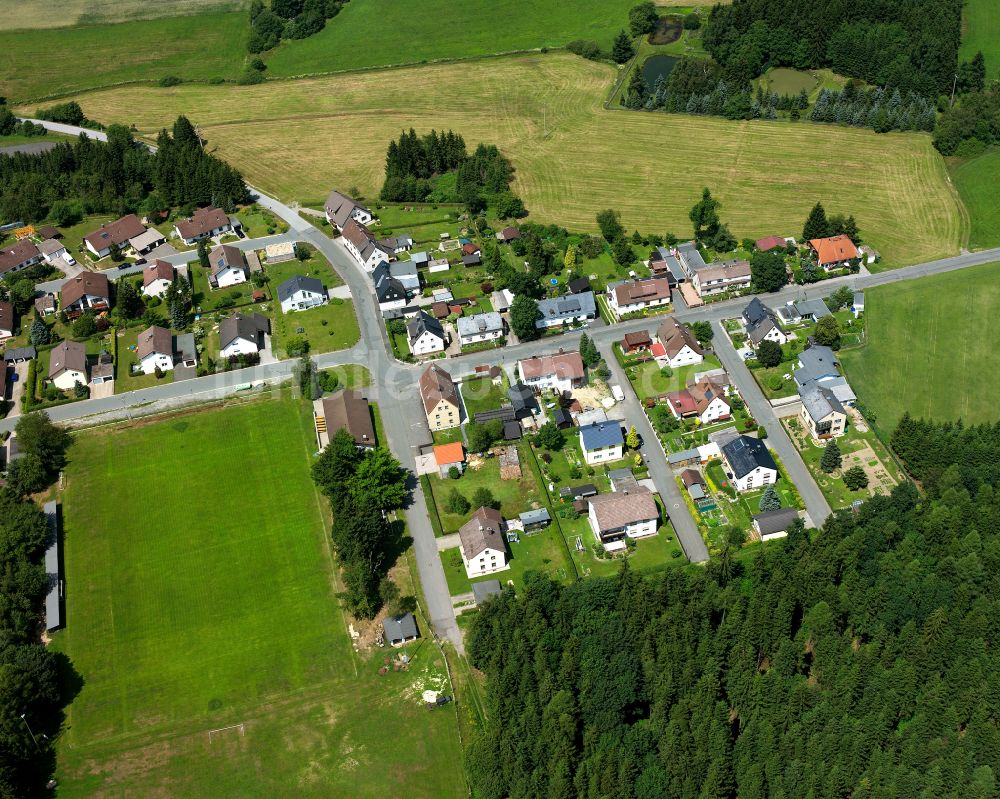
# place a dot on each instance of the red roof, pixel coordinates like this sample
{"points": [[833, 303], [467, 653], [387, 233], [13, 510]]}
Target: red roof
{"points": [[770, 242], [682, 402], [834, 249], [658, 350]]}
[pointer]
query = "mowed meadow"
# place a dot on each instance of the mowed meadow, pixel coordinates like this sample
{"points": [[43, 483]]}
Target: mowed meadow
{"points": [[573, 157], [32, 14]]}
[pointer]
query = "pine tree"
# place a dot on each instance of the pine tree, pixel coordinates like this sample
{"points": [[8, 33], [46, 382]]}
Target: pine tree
{"points": [[39, 335], [128, 300], [203, 253], [638, 90], [832, 458], [622, 49], [178, 316], [705, 216], [588, 351], [770, 500], [816, 226]]}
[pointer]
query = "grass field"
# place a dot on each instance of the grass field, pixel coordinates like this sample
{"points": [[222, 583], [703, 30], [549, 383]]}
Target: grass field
{"points": [[976, 181], [572, 157], [32, 14], [981, 31], [930, 348], [210, 601], [40, 63]]}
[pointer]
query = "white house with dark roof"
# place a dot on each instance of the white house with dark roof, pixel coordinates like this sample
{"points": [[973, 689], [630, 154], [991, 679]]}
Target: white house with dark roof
{"points": [[566, 310], [761, 324], [676, 345], [243, 335], [482, 543], [300, 293], [480, 327], [155, 350], [389, 292], [750, 463], [228, 265], [822, 413], [425, 334], [340, 209], [363, 247], [68, 365], [602, 442], [614, 516]]}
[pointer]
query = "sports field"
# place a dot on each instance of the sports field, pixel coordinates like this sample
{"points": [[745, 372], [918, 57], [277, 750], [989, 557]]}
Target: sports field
{"points": [[200, 595], [977, 180], [573, 158], [931, 346], [981, 31]]}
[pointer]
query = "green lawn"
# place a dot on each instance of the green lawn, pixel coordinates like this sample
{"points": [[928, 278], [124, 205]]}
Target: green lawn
{"points": [[480, 394], [929, 348], [215, 605], [981, 31], [976, 181], [315, 265], [327, 327], [124, 379], [649, 380], [351, 376], [206, 299], [259, 222]]}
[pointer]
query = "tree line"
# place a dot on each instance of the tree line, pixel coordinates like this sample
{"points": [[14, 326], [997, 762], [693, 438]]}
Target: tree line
{"points": [[288, 19], [972, 124], [928, 448], [859, 660], [876, 109]]}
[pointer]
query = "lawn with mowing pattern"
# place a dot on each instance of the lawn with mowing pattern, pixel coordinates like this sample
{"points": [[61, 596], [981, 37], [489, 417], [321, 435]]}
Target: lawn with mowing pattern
{"points": [[200, 594], [981, 32], [977, 180], [572, 157], [929, 348]]}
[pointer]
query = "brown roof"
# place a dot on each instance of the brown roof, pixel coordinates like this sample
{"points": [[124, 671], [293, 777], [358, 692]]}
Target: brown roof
{"points": [[484, 530], [340, 207], [616, 510], [16, 254], [202, 221], [158, 270], [566, 364], [93, 283], [226, 255], [724, 270], [770, 242], [50, 246], [348, 410], [440, 310], [673, 336], [692, 477], [119, 231], [154, 340], [67, 355], [703, 392], [834, 249], [640, 339], [48, 232], [6, 318], [357, 234], [649, 290], [436, 385], [470, 248], [509, 233]]}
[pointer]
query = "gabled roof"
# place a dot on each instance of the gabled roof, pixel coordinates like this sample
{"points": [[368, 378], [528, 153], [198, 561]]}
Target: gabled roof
{"points": [[93, 284], [639, 339], [242, 327], [692, 477], [578, 285], [820, 402], [348, 410], [67, 356], [834, 249], [758, 332], [154, 340], [226, 256], [756, 312], [724, 270], [775, 521], [340, 207], [770, 242], [202, 221], [117, 232], [483, 531], [399, 628], [387, 288], [158, 270], [364, 240], [50, 246], [642, 291], [521, 397], [436, 385], [422, 323], [480, 323], [690, 256], [299, 283], [448, 454], [565, 365], [568, 306], [6, 316], [16, 254], [614, 511], [535, 516], [674, 337], [744, 454], [601, 434]]}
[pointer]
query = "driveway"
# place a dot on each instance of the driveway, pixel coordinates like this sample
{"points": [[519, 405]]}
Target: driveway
{"points": [[102, 390], [448, 542], [17, 389]]}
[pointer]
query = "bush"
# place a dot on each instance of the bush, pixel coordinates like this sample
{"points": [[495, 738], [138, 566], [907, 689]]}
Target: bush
{"points": [[250, 77], [169, 80], [456, 503], [774, 382], [761, 432], [692, 22], [454, 473]]}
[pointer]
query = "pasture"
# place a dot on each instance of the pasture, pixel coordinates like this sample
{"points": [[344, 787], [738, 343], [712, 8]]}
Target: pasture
{"points": [[572, 157], [981, 31], [976, 181], [200, 595], [34, 14], [929, 350]]}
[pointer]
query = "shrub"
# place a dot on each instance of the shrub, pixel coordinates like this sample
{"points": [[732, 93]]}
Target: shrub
{"points": [[456, 503], [692, 21], [453, 473], [169, 80]]}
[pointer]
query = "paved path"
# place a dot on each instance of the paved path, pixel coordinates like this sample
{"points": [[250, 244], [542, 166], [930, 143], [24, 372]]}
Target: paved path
{"points": [[448, 542]]}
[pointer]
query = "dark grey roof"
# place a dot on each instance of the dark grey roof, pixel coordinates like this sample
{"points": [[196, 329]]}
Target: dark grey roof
{"points": [[20, 354], [471, 260], [53, 604], [511, 430], [299, 283], [814, 308], [399, 628], [775, 521], [246, 327], [562, 417], [185, 347], [815, 362], [536, 516], [688, 251], [522, 397], [585, 490], [422, 322], [578, 285], [504, 414], [756, 312], [485, 589], [568, 306], [387, 288], [820, 402], [403, 269], [685, 455], [744, 454]]}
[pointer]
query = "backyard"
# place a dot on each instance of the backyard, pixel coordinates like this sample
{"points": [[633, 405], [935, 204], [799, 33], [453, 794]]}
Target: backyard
{"points": [[329, 327], [649, 380]]}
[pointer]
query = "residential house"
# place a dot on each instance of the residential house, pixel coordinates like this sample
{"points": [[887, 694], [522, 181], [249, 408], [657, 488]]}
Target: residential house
{"points": [[750, 463], [602, 442], [822, 413], [773, 524], [45, 304], [156, 278], [397, 244], [637, 342], [117, 233], [440, 397], [480, 327], [664, 263], [228, 266], [703, 401], [522, 400], [694, 483], [448, 457], [398, 630], [762, 324], [834, 252], [360, 242], [243, 335], [676, 345], [147, 241], [87, 291], [690, 258], [508, 234], [818, 367], [155, 350], [299, 293], [390, 292], [68, 365], [19, 255], [348, 410], [52, 250], [771, 242], [614, 516], [858, 304], [425, 334], [340, 209], [482, 543], [562, 372], [566, 310], [6, 320], [406, 273], [639, 295], [721, 276], [204, 223]]}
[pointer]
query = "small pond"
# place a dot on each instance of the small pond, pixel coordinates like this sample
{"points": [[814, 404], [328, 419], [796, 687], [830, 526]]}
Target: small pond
{"points": [[657, 65]]}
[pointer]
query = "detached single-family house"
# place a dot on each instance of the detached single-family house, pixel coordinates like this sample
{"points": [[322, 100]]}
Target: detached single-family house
{"points": [[639, 295], [771, 242], [155, 349], [703, 401], [483, 547], [858, 304], [448, 456], [602, 442], [68, 365], [481, 327], [721, 276], [508, 234], [242, 335], [52, 250], [397, 244], [439, 394], [398, 630], [204, 223], [389, 292], [228, 265], [822, 413], [566, 310], [19, 255], [773, 524], [762, 324], [562, 372], [834, 252], [360, 242], [425, 334], [614, 516], [156, 278], [87, 291], [340, 209], [6, 321], [147, 241], [118, 233], [676, 346], [750, 462], [299, 293], [406, 273], [348, 410]]}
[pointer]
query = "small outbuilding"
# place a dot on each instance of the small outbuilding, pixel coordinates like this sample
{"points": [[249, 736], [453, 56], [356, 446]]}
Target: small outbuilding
{"points": [[400, 629]]}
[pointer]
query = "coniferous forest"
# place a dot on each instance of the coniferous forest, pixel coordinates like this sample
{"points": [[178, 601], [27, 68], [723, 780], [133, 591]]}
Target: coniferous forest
{"points": [[857, 661]]}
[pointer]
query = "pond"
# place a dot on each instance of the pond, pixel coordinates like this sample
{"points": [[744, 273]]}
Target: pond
{"points": [[657, 65]]}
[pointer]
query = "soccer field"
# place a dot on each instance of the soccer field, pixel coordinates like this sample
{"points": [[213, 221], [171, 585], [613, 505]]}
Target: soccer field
{"points": [[573, 158], [930, 348], [200, 595]]}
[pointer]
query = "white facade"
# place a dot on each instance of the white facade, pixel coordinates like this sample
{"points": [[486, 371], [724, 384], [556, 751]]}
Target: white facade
{"points": [[761, 476], [69, 378], [633, 307], [230, 277], [486, 562], [549, 381], [156, 359], [426, 343], [238, 346], [51, 257], [775, 334], [157, 288], [684, 357], [717, 409], [303, 299], [639, 529], [603, 454]]}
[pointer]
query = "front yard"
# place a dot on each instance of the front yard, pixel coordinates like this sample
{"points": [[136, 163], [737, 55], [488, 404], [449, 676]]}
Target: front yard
{"points": [[648, 380], [480, 394], [329, 327]]}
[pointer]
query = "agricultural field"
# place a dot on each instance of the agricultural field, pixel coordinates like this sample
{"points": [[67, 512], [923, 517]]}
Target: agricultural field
{"points": [[35, 14], [976, 181], [981, 31], [220, 609], [929, 350], [572, 156]]}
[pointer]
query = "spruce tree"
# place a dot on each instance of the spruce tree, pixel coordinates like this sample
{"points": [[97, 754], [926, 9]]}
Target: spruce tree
{"points": [[816, 226], [128, 300], [622, 50], [770, 500], [832, 458], [203, 253], [39, 335]]}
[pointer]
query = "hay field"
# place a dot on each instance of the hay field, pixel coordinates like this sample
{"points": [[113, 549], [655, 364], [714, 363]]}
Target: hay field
{"points": [[573, 158], [34, 14]]}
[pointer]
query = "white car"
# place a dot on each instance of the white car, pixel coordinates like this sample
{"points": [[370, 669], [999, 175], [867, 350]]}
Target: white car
{"points": [[69, 259]]}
